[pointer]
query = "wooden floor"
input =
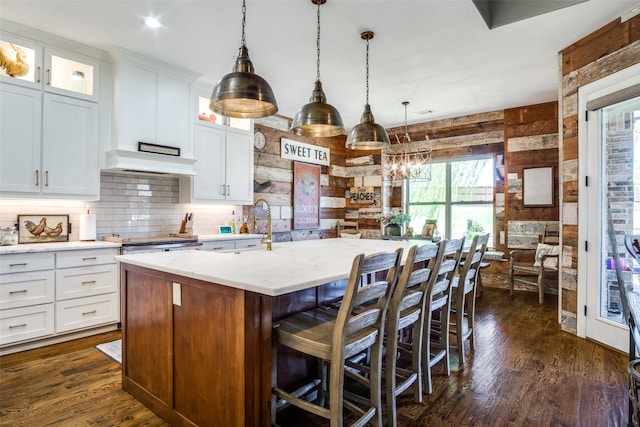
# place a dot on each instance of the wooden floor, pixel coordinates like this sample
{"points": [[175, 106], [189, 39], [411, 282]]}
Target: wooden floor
{"points": [[525, 372]]}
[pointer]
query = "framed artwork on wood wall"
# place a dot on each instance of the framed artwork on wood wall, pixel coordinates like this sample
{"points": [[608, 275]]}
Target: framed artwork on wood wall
{"points": [[306, 196], [537, 187]]}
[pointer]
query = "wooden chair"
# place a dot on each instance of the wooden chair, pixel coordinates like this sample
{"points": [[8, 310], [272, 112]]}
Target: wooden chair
{"points": [[348, 229], [334, 337], [406, 311], [483, 249], [541, 264], [438, 309], [464, 297]]}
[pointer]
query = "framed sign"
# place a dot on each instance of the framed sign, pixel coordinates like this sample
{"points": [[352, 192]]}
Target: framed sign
{"points": [[43, 228], [306, 196], [362, 195], [537, 187]]}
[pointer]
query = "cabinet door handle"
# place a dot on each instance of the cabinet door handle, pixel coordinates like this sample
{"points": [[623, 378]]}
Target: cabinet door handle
{"points": [[89, 258], [251, 246], [48, 76], [89, 282], [37, 177], [21, 291], [217, 248], [38, 74], [18, 264], [17, 326], [84, 313], [228, 190], [46, 178]]}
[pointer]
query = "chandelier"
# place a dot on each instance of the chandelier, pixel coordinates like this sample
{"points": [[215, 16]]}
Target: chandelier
{"points": [[406, 159]]}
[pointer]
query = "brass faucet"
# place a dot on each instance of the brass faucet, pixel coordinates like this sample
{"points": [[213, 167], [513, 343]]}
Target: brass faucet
{"points": [[268, 240]]}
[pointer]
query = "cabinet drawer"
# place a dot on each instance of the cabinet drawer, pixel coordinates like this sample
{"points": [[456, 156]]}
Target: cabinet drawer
{"points": [[248, 243], [21, 324], [24, 289], [35, 261], [86, 312], [85, 257], [223, 245], [86, 281]]}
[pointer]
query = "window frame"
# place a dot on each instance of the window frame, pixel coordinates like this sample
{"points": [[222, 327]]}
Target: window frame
{"points": [[448, 193]]}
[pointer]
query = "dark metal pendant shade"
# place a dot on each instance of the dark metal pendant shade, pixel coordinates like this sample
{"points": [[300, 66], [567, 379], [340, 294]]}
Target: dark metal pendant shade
{"points": [[242, 93], [367, 135], [317, 118]]}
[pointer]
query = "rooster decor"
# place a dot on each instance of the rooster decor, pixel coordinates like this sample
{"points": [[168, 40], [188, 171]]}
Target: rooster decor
{"points": [[16, 68], [37, 229], [53, 232]]}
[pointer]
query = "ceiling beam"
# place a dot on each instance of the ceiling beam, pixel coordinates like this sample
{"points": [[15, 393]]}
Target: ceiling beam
{"points": [[502, 12]]}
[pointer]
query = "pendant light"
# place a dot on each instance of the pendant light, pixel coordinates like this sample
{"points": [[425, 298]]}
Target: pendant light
{"points": [[242, 93], [317, 118], [367, 135]]}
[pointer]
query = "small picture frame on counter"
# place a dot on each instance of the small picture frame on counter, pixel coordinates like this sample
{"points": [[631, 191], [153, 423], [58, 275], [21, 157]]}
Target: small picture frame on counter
{"points": [[43, 228], [225, 229]]}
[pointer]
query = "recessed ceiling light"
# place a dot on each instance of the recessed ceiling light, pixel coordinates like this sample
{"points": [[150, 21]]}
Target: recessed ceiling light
{"points": [[152, 22]]}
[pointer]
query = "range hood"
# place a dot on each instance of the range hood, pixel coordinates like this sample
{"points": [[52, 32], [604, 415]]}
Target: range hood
{"points": [[135, 161]]}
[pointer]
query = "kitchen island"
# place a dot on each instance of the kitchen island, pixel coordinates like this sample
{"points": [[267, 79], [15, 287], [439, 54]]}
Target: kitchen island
{"points": [[197, 325]]}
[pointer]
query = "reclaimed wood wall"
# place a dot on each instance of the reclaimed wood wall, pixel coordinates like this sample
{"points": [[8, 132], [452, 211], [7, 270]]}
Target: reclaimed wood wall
{"points": [[612, 48], [271, 168]]}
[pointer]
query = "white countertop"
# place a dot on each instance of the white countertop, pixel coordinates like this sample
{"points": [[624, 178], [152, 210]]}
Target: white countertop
{"points": [[55, 246], [289, 267], [215, 237]]}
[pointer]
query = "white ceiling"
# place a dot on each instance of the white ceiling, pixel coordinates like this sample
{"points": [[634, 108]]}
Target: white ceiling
{"points": [[437, 54]]}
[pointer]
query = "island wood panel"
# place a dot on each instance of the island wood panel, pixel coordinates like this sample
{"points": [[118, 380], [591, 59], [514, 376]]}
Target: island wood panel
{"points": [[147, 334], [208, 355], [214, 350]]}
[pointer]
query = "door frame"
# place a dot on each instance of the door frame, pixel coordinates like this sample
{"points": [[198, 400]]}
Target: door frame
{"points": [[589, 196]]}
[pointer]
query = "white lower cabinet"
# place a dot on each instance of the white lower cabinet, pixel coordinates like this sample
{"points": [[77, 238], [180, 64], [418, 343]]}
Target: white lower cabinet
{"points": [[27, 323], [49, 295], [86, 312], [23, 289]]}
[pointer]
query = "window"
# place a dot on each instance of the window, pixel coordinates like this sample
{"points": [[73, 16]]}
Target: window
{"points": [[459, 195]]}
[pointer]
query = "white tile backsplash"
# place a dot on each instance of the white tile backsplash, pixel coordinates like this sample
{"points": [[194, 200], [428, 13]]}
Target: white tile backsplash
{"points": [[130, 205]]}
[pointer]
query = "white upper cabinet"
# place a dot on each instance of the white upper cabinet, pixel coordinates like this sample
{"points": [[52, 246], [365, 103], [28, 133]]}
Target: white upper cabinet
{"points": [[152, 105], [224, 170], [49, 138], [70, 152], [20, 139], [30, 64]]}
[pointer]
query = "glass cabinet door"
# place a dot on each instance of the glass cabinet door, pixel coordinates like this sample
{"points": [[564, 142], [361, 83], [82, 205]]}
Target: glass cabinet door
{"points": [[65, 72], [20, 62], [206, 115]]}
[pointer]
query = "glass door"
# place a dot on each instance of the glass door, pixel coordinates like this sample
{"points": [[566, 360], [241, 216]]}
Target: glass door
{"points": [[616, 187]]}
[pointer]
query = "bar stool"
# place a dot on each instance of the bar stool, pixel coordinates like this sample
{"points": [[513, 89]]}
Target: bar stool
{"points": [[464, 297], [406, 311], [333, 337], [437, 303]]}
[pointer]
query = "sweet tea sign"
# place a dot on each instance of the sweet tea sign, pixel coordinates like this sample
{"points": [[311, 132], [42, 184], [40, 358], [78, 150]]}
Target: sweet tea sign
{"points": [[299, 151]]}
